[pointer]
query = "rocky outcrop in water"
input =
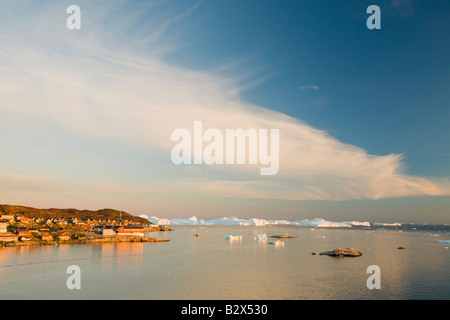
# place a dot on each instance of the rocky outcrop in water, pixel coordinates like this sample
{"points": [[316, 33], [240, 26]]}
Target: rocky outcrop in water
{"points": [[349, 252], [284, 236]]}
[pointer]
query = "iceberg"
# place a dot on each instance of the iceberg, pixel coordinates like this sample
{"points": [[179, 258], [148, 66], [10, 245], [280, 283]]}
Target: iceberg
{"points": [[235, 221], [158, 221], [190, 221], [396, 224], [276, 243], [321, 223], [256, 222], [231, 221], [275, 222], [358, 223], [261, 236], [230, 237]]}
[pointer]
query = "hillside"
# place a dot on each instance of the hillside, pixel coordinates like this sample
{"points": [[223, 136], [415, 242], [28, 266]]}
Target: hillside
{"points": [[69, 213]]}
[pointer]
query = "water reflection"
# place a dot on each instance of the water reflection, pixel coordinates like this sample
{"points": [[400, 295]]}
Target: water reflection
{"points": [[210, 267]]}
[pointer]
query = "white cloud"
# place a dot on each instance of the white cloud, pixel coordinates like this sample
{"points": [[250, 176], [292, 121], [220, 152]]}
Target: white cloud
{"points": [[112, 94], [311, 87]]}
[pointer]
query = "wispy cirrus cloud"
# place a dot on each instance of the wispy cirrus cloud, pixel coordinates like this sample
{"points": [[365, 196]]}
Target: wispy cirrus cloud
{"points": [[310, 87], [116, 95]]}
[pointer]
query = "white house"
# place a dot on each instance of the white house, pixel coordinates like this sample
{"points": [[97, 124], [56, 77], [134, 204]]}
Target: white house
{"points": [[3, 227]]}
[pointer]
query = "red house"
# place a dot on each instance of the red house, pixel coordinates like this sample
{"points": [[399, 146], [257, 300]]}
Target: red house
{"points": [[130, 231]]}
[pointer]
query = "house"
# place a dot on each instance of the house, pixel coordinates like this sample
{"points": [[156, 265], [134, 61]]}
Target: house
{"points": [[97, 229], [104, 230], [130, 231], [7, 217], [72, 221], [64, 237], [23, 233], [3, 227], [8, 237], [61, 222], [22, 219], [108, 231], [46, 237], [88, 222]]}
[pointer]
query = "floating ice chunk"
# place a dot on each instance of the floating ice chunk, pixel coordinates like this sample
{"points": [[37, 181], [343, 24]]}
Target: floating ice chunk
{"points": [[444, 241], [261, 236], [230, 237], [395, 224], [276, 243]]}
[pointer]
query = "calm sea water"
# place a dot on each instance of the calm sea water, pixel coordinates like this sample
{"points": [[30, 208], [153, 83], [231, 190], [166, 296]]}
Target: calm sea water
{"points": [[210, 267]]}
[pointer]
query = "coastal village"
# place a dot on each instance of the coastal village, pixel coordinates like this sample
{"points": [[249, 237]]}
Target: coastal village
{"points": [[20, 230]]}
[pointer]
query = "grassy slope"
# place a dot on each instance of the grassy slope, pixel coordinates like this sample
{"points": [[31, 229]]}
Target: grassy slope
{"points": [[69, 213]]}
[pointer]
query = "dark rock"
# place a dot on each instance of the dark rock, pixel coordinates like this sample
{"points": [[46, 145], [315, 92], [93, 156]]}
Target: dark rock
{"points": [[284, 236], [349, 252]]}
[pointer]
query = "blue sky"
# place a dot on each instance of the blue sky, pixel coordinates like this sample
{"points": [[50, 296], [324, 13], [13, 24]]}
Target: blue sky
{"points": [[383, 90], [363, 114]]}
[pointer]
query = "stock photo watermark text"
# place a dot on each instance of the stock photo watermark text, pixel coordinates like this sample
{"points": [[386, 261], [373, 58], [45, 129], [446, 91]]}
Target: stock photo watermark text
{"points": [[229, 148]]}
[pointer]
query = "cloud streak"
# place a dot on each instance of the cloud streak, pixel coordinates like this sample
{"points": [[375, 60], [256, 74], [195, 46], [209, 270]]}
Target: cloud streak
{"points": [[117, 95], [311, 87]]}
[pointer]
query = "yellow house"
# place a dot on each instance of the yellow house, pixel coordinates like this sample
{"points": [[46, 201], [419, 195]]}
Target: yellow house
{"points": [[46, 237], [64, 237]]}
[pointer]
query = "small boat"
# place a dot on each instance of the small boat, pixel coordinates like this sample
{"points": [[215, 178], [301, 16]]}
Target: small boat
{"points": [[230, 237], [197, 235]]}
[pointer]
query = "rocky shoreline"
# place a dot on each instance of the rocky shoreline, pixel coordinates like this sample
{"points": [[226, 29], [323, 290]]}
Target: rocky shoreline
{"points": [[113, 239]]}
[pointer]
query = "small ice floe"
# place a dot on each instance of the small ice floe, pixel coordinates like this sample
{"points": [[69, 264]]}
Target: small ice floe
{"points": [[444, 241], [230, 237], [276, 243], [261, 236]]}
